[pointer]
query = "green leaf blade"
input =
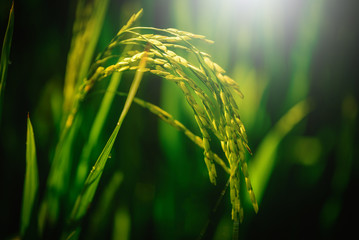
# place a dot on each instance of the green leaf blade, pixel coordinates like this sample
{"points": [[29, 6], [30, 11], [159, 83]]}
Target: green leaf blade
{"points": [[264, 160], [31, 184], [97, 126], [85, 198]]}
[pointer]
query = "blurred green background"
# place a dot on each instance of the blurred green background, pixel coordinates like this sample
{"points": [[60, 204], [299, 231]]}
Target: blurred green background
{"points": [[281, 52]]}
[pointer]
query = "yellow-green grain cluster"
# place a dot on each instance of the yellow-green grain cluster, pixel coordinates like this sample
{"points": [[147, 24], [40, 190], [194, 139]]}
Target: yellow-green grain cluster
{"points": [[206, 88]]}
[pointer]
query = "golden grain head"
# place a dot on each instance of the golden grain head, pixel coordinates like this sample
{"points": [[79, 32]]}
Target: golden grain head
{"points": [[198, 77], [208, 62], [159, 61], [218, 68]]}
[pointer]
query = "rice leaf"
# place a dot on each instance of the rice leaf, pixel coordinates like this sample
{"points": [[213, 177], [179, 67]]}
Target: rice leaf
{"points": [[264, 159], [85, 198], [4, 62], [31, 179]]}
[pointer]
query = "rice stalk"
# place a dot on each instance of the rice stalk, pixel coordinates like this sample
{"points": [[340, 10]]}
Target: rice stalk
{"points": [[86, 31]]}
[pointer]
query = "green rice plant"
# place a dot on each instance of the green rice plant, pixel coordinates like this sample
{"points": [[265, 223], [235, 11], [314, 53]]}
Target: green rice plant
{"points": [[170, 54], [5, 52], [218, 112]]}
